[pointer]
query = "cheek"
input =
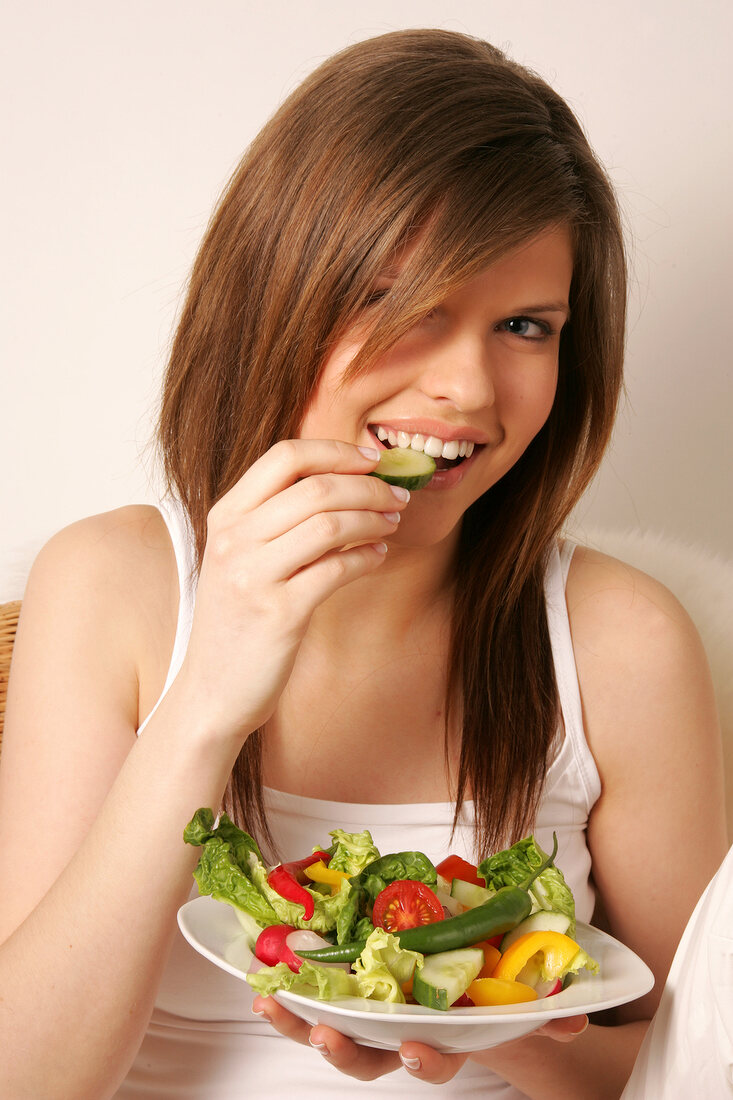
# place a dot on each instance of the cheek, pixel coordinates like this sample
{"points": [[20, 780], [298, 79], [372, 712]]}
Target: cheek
{"points": [[533, 399]]}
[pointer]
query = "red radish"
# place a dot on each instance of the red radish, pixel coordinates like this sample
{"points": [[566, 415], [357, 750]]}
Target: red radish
{"points": [[548, 988], [271, 947]]}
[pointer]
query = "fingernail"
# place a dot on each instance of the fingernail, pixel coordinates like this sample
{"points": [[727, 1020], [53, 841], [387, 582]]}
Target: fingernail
{"points": [[370, 452], [320, 1047], [260, 1012], [581, 1029], [400, 492], [380, 547], [392, 517], [410, 1063]]}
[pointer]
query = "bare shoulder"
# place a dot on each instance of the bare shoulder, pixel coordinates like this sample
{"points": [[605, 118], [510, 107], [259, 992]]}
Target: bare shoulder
{"points": [[606, 594], [115, 544], [638, 655], [103, 590]]}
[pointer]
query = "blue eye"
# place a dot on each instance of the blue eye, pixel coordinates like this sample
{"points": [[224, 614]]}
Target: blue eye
{"points": [[527, 328]]}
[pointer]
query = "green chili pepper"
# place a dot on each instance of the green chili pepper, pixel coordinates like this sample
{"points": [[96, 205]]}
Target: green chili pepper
{"points": [[501, 913]]}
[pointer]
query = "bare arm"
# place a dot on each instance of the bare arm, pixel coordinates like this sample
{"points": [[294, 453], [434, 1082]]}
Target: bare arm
{"points": [[92, 863]]}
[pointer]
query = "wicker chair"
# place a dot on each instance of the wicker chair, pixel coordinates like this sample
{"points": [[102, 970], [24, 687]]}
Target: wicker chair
{"points": [[8, 623]]}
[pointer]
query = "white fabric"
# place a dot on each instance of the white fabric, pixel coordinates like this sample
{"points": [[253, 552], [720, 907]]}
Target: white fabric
{"points": [[688, 1050], [203, 1042]]}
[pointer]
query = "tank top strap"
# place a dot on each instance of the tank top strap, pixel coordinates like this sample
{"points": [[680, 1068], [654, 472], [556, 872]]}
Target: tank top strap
{"points": [[183, 543], [566, 673]]}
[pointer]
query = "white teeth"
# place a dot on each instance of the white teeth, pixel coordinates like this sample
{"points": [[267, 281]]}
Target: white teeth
{"points": [[433, 446], [430, 444]]}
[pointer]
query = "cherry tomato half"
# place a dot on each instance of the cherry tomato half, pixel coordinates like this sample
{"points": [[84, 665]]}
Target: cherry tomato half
{"points": [[406, 904], [455, 867]]}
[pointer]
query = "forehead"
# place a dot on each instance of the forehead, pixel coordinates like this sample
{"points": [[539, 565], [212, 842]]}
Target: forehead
{"points": [[545, 258]]}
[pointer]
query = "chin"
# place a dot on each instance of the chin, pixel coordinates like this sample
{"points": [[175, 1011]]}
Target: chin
{"points": [[423, 533]]}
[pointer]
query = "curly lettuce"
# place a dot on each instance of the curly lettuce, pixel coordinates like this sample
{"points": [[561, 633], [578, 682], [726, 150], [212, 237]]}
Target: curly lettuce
{"points": [[513, 866]]}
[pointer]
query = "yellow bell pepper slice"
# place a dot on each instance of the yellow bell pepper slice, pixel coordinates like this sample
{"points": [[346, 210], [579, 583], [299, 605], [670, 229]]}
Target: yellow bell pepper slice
{"points": [[498, 991], [491, 958], [319, 872], [555, 950]]}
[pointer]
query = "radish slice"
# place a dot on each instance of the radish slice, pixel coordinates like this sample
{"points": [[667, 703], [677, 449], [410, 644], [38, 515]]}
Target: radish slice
{"points": [[302, 939]]}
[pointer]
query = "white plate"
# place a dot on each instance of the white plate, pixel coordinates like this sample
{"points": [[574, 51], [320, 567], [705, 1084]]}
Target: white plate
{"points": [[212, 928]]}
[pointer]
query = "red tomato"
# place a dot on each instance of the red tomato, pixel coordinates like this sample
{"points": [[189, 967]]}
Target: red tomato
{"points": [[406, 904], [455, 867]]}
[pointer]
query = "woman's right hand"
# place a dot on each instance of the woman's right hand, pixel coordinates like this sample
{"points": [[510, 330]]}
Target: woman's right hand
{"points": [[302, 522]]}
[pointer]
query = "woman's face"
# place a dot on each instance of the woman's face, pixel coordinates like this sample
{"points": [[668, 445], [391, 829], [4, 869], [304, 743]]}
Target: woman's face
{"points": [[475, 377]]}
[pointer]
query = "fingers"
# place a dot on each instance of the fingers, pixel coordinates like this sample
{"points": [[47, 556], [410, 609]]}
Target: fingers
{"points": [[362, 1063], [292, 459], [564, 1029], [427, 1064], [359, 1062], [327, 494]]}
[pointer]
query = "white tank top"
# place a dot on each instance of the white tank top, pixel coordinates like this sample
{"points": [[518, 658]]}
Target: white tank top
{"points": [[204, 1043]]}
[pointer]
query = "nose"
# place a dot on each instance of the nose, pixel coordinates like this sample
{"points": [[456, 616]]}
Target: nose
{"points": [[459, 372]]}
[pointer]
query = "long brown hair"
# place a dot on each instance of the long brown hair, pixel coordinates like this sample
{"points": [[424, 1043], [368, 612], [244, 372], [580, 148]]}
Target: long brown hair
{"points": [[413, 129]]}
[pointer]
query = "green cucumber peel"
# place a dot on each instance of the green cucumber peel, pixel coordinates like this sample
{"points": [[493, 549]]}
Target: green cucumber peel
{"points": [[403, 466]]}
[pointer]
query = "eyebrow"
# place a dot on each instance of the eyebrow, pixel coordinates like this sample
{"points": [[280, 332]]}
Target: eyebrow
{"points": [[547, 307]]}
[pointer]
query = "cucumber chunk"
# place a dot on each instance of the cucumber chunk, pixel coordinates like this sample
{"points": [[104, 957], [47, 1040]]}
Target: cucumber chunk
{"points": [[445, 977], [469, 894], [403, 466], [541, 921]]}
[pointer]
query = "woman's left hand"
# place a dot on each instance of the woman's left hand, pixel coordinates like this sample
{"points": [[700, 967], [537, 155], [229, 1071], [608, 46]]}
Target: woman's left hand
{"points": [[367, 1063]]}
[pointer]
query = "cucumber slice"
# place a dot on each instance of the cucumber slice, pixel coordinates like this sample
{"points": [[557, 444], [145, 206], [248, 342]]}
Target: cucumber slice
{"points": [[469, 894], [445, 977], [403, 466], [541, 921]]}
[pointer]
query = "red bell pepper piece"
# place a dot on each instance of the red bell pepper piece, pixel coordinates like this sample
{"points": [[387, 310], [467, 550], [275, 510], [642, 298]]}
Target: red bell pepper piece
{"points": [[286, 879], [456, 867]]}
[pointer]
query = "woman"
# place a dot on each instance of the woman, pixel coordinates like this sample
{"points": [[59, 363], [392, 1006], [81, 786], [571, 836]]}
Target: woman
{"points": [[419, 246]]}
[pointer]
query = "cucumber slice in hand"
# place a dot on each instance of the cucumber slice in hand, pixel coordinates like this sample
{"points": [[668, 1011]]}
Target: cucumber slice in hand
{"points": [[403, 466]]}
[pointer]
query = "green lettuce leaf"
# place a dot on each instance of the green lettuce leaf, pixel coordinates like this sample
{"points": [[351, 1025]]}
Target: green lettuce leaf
{"points": [[580, 961], [313, 980], [351, 852], [223, 869], [395, 866], [513, 866], [383, 966]]}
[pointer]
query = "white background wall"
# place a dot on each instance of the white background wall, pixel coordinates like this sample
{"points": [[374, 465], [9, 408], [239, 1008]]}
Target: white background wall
{"points": [[123, 122]]}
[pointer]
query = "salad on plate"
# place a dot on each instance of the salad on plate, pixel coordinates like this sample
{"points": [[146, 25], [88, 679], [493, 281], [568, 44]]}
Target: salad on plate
{"points": [[347, 921]]}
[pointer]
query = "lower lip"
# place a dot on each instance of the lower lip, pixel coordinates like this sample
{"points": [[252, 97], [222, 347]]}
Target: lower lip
{"points": [[448, 479]]}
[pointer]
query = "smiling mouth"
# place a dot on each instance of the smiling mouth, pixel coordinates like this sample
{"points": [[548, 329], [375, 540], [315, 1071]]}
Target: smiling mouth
{"points": [[447, 453]]}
